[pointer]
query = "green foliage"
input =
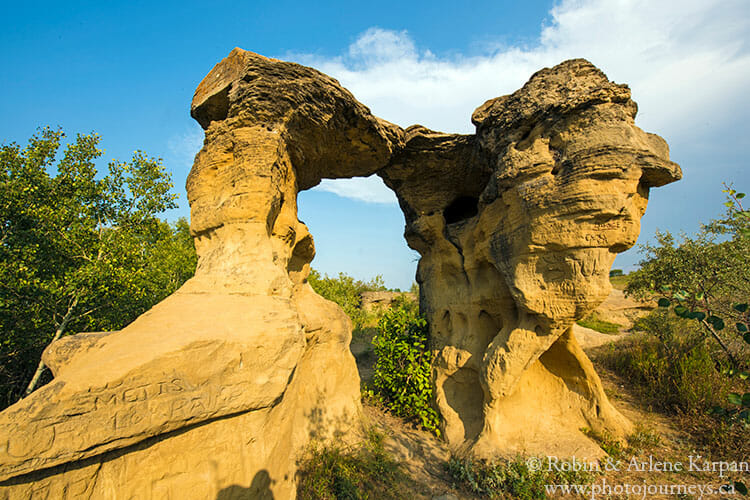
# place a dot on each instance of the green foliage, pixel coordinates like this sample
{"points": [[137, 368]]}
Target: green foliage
{"points": [[346, 291], [364, 472], [514, 478], [402, 366], [615, 272], [599, 325], [705, 277], [671, 362], [708, 281], [77, 252]]}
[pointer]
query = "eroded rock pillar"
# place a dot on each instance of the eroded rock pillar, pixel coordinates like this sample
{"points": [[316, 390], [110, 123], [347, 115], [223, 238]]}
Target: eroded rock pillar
{"points": [[518, 229]]}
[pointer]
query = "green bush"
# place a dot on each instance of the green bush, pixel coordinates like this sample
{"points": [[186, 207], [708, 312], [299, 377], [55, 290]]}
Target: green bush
{"points": [[513, 478], [346, 291], [363, 472], [402, 367], [672, 363], [705, 277]]}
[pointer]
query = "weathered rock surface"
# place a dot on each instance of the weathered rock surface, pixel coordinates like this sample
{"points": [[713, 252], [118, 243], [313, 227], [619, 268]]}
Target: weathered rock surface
{"points": [[217, 389], [371, 301], [518, 227]]}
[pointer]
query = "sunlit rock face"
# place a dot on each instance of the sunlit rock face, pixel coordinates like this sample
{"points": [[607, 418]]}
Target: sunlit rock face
{"points": [[218, 389], [518, 227]]}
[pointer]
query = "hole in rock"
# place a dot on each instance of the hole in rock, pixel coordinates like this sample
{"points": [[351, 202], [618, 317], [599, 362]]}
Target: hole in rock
{"points": [[462, 208], [358, 229]]}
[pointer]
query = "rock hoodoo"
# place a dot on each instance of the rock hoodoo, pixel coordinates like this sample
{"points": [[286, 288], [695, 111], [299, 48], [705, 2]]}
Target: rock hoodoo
{"points": [[219, 387], [518, 227]]}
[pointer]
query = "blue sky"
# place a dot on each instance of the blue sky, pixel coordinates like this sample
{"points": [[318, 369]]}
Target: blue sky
{"points": [[127, 70]]}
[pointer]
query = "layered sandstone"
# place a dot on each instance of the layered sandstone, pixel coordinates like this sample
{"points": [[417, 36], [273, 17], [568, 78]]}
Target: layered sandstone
{"points": [[217, 389]]}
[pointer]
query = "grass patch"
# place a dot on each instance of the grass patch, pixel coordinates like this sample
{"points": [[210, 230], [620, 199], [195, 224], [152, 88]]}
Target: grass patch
{"points": [[620, 282], [677, 370], [357, 473], [611, 445], [671, 363], [643, 439], [364, 333], [601, 326], [513, 478]]}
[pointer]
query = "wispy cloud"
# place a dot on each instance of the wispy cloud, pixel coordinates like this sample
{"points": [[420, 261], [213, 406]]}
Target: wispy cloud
{"points": [[687, 61], [368, 189]]}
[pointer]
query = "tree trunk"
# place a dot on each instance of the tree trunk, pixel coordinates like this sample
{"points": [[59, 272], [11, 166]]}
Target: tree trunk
{"points": [[58, 333], [721, 343]]}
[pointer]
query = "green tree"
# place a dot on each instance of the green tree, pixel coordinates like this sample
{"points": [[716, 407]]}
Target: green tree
{"points": [[705, 276], [707, 279], [346, 292], [403, 364], [77, 252]]}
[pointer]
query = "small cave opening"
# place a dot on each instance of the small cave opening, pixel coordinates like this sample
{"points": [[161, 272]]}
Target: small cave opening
{"points": [[462, 208]]}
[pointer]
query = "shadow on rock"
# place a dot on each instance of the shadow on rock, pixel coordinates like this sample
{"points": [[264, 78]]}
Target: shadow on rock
{"points": [[260, 489]]}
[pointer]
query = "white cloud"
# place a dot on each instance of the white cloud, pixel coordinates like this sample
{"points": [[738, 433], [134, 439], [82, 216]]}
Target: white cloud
{"points": [[368, 189], [686, 61], [377, 46]]}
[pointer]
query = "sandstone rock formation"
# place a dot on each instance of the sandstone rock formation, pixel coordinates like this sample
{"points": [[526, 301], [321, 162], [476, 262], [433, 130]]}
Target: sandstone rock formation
{"points": [[227, 379], [218, 388], [518, 227]]}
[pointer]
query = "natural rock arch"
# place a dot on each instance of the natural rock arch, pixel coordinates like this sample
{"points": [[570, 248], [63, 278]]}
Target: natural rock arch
{"points": [[232, 375]]}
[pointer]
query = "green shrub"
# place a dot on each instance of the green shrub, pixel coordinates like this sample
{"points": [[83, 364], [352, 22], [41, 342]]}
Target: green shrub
{"points": [[363, 472], [81, 248], [705, 278], [513, 478], [402, 367], [671, 362], [346, 291]]}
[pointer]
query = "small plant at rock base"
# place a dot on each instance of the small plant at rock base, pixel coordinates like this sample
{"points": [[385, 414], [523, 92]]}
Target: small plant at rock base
{"points": [[331, 472], [514, 478], [402, 367]]}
